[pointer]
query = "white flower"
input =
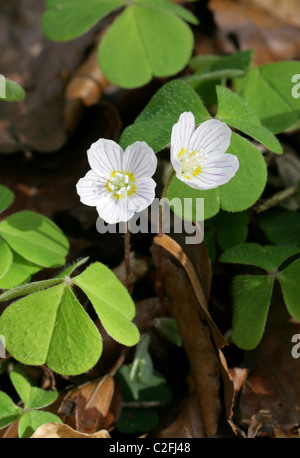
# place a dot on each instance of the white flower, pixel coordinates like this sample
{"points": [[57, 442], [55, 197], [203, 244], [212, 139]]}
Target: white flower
{"points": [[119, 183], [198, 155]]}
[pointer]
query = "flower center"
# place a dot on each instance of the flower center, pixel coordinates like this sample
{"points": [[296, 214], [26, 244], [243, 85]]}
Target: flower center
{"points": [[191, 162], [121, 184]]}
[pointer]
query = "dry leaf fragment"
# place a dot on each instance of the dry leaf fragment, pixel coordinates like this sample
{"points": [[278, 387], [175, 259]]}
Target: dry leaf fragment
{"points": [[92, 406], [58, 431], [201, 338], [273, 382], [189, 423]]}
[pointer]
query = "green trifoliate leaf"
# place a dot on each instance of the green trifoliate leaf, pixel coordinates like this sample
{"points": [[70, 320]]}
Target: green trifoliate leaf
{"points": [[6, 258], [36, 238], [29, 288], [281, 226], [111, 301], [64, 20], [233, 110], [210, 63], [33, 419], [51, 327], [167, 5], [228, 229], [154, 124], [19, 272], [268, 90], [33, 397], [252, 296], [69, 270], [268, 258], [289, 281], [6, 198], [9, 412], [157, 44], [231, 228]]}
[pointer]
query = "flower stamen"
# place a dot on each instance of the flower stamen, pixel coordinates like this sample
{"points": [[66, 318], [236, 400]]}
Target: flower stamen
{"points": [[121, 184]]}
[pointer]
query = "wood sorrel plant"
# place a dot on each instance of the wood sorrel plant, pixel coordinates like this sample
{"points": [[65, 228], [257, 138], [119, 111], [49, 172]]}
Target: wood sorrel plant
{"points": [[128, 54], [47, 324]]}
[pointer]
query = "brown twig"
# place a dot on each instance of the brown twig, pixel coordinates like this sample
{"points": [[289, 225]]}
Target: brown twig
{"points": [[276, 199]]}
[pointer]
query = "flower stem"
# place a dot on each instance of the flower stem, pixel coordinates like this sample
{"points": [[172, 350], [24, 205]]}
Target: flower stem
{"points": [[163, 196], [159, 268], [127, 255]]}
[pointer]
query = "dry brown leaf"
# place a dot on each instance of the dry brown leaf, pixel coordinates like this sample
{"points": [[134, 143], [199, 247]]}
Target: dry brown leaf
{"points": [[285, 10], [200, 336], [238, 376], [254, 28], [88, 83], [176, 250], [189, 423], [279, 434], [257, 421], [43, 68], [58, 431], [273, 381], [92, 406]]}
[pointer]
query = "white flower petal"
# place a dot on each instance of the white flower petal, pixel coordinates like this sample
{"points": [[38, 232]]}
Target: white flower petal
{"points": [[140, 160], [216, 172], [114, 210], [144, 194], [181, 134], [212, 136], [105, 157], [91, 188]]}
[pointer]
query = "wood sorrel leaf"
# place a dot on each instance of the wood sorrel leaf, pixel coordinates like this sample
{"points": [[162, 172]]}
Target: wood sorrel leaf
{"points": [[111, 301], [6, 258], [154, 124], [51, 327], [167, 5], [36, 238], [213, 63], [9, 412], [29, 288], [289, 281], [268, 90], [268, 258], [30, 422], [6, 197], [69, 270], [281, 226], [20, 272], [64, 20], [157, 44], [33, 397], [233, 110], [251, 296]]}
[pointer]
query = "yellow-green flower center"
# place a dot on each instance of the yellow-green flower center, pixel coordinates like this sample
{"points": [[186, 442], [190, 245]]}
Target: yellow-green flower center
{"points": [[191, 162], [121, 184]]}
